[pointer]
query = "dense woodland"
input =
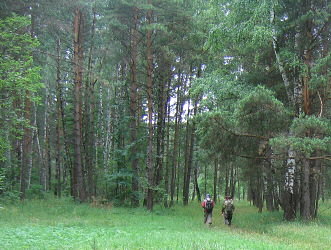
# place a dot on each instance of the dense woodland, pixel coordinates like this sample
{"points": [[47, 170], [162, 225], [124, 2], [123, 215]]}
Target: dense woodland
{"points": [[145, 102]]}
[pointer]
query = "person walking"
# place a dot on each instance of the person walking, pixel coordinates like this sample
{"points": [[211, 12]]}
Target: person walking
{"points": [[208, 206], [227, 210]]}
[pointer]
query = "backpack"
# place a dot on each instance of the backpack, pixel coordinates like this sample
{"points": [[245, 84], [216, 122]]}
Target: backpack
{"points": [[209, 206], [229, 206]]}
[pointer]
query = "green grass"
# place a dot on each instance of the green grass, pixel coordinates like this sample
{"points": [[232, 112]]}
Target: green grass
{"points": [[62, 224]]}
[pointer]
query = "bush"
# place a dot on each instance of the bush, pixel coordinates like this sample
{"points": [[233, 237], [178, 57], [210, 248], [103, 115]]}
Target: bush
{"points": [[35, 192], [10, 197]]}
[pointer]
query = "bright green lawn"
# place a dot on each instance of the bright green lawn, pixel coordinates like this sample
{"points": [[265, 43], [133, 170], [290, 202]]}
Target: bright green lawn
{"points": [[61, 224]]}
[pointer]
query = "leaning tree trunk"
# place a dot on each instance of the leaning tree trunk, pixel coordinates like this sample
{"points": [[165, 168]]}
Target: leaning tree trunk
{"points": [[196, 184]]}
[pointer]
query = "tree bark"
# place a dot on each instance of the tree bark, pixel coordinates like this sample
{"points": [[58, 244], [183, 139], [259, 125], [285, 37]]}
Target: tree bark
{"points": [[227, 188], [149, 87], [133, 109], [196, 184], [26, 148], [78, 178], [163, 100], [58, 123], [167, 166], [178, 115], [89, 137], [215, 178], [43, 168], [190, 137], [305, 200]]}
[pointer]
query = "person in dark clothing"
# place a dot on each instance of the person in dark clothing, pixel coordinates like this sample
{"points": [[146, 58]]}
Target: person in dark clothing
{"points": [[208, 206], [227, 210]]}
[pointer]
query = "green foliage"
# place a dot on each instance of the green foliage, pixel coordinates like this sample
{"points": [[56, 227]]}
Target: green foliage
{"points": [[244, 23], [218, 91], [261, 113], [311, 126], [4, 146], [35, 192], [232, 109], [2, 181], [309, 135], [10, 197], [305, 146], [19, 77], [122, 178], [319, 75]]}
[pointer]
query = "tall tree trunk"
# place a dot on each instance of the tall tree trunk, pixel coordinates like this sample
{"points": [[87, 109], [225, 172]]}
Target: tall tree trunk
{"points": [[27, 141], [314, 187], [26, 148], [196, 184], [44, 167], [232, 181], [133, 109], [309, 182], [58, 122], [78, 178], [190, 151], [215, 178], [238, 183], [178, 177], [227, 188], [89, 136], [305, 199], [48, 152], [167, 155], [205, 178], [269, 187], [186, 174], [289, 200], [149, 57], [260, 188], [178, 114], [163, 100]]}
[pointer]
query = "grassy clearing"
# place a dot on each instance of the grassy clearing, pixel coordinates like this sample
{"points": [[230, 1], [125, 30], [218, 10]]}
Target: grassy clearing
{"points": [[62, 224]]}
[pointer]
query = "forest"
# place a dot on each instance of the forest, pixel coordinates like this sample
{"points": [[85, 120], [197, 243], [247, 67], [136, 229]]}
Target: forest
{"points": [[145, 103]]}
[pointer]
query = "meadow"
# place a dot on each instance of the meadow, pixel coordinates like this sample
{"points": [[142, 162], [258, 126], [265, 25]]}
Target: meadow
{"points": [[62, 224]]}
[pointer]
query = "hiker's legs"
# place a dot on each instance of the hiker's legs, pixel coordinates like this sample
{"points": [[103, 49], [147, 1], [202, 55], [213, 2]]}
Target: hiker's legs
{"points": [[208, 218], [226, 219], [229, 218]]}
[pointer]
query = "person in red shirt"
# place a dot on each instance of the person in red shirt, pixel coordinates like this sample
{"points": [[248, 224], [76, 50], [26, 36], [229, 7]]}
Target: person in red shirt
{"points": [[208, 206]]}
